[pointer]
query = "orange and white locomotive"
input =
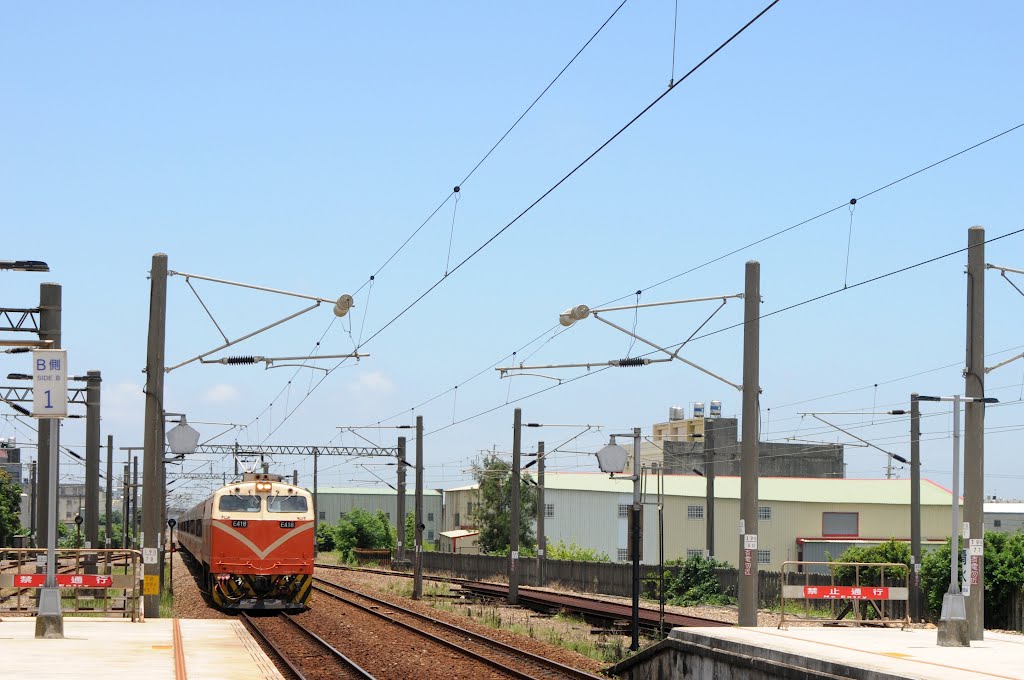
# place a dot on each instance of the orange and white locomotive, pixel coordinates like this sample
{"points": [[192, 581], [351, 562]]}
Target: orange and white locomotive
{"points": [[254, 541]]}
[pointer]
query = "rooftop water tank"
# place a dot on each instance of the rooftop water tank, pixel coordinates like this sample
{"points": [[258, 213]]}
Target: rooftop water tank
{"points": [[698, 409], [676, 413], [716, 409]]}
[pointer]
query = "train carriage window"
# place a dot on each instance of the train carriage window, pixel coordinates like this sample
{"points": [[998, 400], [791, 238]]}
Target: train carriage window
{"points": [[286, 504], [235, 503]]}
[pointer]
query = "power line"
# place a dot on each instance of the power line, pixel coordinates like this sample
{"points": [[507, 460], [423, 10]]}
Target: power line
{"points": [[454, 192], [543, 196], [751, 244], [816, 298]]}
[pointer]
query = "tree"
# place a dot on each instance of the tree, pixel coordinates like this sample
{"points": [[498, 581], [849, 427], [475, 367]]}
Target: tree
{"points": [[493, 514], [893, 551], [410, 531], [1004, 572], [361, 529], [325, 537], [10, 508]]}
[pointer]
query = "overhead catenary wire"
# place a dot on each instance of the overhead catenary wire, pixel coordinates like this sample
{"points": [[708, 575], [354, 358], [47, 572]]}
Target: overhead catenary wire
{"points": [[472, 171], [559, 330], [816, 298]]}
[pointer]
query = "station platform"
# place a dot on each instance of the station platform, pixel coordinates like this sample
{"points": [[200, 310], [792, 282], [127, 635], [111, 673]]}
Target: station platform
{"points": [[212, 649], [812, 653]]}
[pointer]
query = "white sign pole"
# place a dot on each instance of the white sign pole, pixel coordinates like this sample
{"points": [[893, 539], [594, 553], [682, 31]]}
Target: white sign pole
{"points": [[50, 402]]}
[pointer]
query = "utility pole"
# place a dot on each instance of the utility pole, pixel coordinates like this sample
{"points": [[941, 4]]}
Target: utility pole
{"points": [[400, 500], [316, 500], [135, 503], [32, 505], [92, 468], [915, 507], [417, 573], [542, 541], [49, 329], [126, 503], [109, 543], [634, 539], [709, 483], [748, 448], [153, 434], [513, 529], [974, 434], [295, 477]]}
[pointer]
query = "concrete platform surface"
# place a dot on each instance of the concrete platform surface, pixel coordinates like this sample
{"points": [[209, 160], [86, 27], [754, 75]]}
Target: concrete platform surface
{"points": [[220, 649], [888, 652]]}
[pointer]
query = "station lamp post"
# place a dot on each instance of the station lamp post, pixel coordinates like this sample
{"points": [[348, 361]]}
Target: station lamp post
{"points": [[612, 459], [953, 625], [24, 265]]}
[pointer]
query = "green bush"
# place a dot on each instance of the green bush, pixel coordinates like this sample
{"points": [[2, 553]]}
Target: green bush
{"points": [[1004, 573], [575, 552], [361, 529], [325, 537], [694, 582], [891, 551]]}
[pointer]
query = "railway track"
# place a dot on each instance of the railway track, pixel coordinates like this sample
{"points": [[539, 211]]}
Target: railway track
{"points": [[492, 652], [311, 657], [588, 607]]}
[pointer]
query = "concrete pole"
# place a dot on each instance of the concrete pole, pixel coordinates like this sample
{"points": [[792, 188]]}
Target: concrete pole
{"points": [[92, 467], [974, 428], [50, 618], [32, 504], [153, 432], [295, 477], [953, 627], [316, 499], [135, 503], [109, 543], [915, 507], [513, 526], [400, 500], [748, 447], [417, 569], [542, 540], [49, 329], [634, 540], [709, 484], [126, 503]]}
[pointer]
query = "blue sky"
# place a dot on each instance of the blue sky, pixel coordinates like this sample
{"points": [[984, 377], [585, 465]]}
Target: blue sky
{"points": [[298, 148]]}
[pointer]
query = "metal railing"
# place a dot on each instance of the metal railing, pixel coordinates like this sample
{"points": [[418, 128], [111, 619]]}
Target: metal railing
{"points": [[868, 594], [92, 581]]}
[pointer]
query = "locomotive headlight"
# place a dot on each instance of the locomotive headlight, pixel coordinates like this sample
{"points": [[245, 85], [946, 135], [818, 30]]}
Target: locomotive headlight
{"points": [[264, 486]]}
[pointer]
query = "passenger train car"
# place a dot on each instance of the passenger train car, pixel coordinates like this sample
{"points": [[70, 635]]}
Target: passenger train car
{"points": [[254, 542]]}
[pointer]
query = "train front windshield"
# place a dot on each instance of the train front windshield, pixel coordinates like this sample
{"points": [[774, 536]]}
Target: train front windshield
{"points": [[286, 504], [235, 503]]}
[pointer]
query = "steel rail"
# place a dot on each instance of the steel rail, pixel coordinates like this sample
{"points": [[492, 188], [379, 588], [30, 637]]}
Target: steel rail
{"points": [[527, 594], [352, 665], [483, 639], [455, 646]]}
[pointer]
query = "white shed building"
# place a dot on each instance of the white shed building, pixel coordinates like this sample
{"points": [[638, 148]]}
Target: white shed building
{"points": [[799, 518]]}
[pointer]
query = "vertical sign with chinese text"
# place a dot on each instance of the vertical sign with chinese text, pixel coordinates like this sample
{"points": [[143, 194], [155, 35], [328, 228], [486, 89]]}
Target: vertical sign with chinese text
{"points": [[49, 383]]}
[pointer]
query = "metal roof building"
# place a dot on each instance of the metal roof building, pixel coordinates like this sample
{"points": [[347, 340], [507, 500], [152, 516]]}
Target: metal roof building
{"points": [[799, 518], [332, 503]]}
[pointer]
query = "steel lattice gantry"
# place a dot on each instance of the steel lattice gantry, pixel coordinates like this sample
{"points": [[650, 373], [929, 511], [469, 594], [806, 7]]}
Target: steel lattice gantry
{"points": [[16, 320], [23, 395]]}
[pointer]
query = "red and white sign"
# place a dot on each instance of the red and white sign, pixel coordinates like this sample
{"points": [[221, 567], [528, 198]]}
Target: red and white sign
{"points": [[845, 593], [63, 581]]}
